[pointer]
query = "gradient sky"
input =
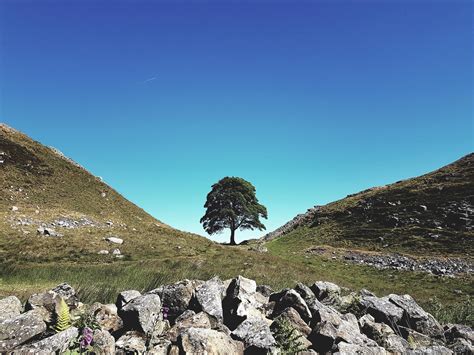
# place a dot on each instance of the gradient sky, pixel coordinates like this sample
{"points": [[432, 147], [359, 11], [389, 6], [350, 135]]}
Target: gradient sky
{"points": [[308, 100]]}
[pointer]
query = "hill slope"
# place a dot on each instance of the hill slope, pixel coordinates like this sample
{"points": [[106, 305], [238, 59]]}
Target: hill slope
{"points": [[431, 214], [40, 188]]}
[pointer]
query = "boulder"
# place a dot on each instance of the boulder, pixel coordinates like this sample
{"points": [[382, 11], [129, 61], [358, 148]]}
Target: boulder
{"points": [[430, 350], [114, 240], [241, 302], [256, 335], [104, 341], [209, 341], [453, 331], [290, 298], [45, 303], [68, 294], [323, 337], [141, 313], [9, 307], [57, 343], [383, 335], [208, 298], [305, 292], [344, 348], [161, 348], [17, 330], [323, 313], [382, 310], [191, 320], [461, 346], [106, 316], [131, 342], [327, 292], [177, 297], [415, 317], [294, 319], [126, 296], [264, 290]]}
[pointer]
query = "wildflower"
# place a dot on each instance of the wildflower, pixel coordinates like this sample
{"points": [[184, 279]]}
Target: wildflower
{"points": [[86, 338], [165, 311]]}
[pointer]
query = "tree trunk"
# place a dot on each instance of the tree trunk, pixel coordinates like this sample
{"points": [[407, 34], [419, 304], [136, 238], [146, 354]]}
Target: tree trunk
{"points": [[232, 237]]}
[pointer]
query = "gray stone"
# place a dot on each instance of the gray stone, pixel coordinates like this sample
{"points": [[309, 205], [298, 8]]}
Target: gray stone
{"points": [[162, 348], [199, 320], [255, 333], [327, 292], [126, 296], [141, 313], [114, 240], [290, 298], [104, 341], [208, 298], [177, 297], [415, 317], [461, 346], [106, 316], [19, 329], [383, 335], [57, 343], [382, 310], [265, 290], [242, 302], [351, 349], [305, 292], [453, 331], [68, 294], [209, 341], [131, 342], [293, 318], [430, 350], [9, 307]]}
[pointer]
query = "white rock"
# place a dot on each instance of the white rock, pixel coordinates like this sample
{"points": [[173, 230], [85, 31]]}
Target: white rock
{"points": [[115, 240], [14, 208], [103, 252]]}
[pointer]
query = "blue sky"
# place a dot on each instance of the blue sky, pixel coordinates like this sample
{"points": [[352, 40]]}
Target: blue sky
{"points": [[308, 100]]}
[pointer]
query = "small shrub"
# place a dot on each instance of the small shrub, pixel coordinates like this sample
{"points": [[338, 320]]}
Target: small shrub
{"points": [[287, 338]]}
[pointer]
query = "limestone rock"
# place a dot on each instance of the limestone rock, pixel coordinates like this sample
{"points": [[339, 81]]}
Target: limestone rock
{"points": [[191, 320], [208, 297], [290, 298], [57, 343], [255, 333], [126, 296], [295, 320], [177, 297], [9, 307], [141, 313], [114, 240], [327, 292], [415, 317], [19, 329], [382, 309], [131, 342], [382, 334], [209, 341], [104, 341]]}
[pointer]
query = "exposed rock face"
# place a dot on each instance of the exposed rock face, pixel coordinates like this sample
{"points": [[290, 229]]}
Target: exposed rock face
{"points": [[258, 324]]}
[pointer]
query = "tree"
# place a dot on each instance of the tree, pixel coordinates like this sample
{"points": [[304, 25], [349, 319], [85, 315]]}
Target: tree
{"points": [[232, 204]]}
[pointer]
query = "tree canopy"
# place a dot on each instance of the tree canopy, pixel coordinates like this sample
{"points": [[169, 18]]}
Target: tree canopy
{"points": [[232, 203]]}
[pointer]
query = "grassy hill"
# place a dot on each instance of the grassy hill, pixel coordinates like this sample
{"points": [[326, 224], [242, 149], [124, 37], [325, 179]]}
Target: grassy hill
{"points": [[40, 188], [430, 215]]}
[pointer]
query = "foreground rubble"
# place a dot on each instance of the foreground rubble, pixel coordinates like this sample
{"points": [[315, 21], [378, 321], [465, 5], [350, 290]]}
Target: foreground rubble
{"points": [[229, 317]]}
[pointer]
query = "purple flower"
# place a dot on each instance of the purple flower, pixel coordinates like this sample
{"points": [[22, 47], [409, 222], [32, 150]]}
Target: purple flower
{"points": [[86, 338], [165, 311]]}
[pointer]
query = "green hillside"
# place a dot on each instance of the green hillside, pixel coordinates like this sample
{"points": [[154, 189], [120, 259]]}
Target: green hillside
{"points": [[427, 215]]}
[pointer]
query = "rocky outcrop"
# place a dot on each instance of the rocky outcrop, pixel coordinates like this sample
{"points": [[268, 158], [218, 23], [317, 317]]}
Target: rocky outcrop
{"points": [[230, 317]]}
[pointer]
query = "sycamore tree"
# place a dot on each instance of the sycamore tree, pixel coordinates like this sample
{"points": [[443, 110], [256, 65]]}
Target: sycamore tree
{"points": [[232, 204]]}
